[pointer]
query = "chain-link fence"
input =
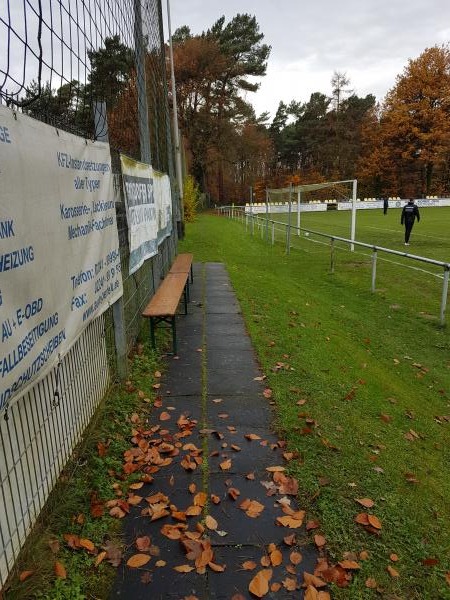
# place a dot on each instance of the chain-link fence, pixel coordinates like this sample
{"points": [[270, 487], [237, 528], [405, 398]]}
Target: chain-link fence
{"points": [[96, 68]]}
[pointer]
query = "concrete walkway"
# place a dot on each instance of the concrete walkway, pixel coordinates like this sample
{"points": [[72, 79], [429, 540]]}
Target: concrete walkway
{"points": [[213, 385]]}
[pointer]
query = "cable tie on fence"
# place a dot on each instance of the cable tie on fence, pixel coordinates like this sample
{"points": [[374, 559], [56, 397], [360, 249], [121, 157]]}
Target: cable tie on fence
{"points": [[56, 393], [6, 415]]}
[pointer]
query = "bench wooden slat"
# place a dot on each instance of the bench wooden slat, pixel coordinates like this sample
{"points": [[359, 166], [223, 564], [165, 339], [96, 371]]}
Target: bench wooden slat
{"points": [[167, 297], [182, 263]]}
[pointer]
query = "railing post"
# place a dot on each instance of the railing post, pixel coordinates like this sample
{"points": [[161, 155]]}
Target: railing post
{"points": [[118, 310], [374, 269], [444, 295], [288, 231], [267, 215], [273, 234], [332, 255], [353, 225]]}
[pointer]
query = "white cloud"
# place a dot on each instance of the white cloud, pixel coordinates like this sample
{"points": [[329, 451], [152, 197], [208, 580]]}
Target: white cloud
{"points": [[370, 40]]}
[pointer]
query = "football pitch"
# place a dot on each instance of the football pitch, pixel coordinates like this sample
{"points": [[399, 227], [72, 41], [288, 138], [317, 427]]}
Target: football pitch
{"points": [[430, 237]]}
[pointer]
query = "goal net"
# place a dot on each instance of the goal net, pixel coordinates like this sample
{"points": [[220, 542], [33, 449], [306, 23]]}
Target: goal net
{"points": [[291, 203]]}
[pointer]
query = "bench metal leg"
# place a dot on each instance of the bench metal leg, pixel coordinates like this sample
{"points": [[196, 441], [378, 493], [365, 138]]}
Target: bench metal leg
{"points": [[192, 275], [185, 294], [152, 332], [174, 335]]}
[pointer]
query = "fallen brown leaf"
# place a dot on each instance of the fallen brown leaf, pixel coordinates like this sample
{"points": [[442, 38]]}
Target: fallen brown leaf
{"points": [[319, 540], [143, 543], [276, 558], [295, 558], [259, 585], [138, 560], [60, 570], [211, 522], [184, 568], [366, 502]]}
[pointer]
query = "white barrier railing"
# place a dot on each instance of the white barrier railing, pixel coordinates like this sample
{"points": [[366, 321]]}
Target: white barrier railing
{"points": [[264, 223]]}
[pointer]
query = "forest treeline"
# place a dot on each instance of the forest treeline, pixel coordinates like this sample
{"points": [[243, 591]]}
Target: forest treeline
{"points": [[399, 146]]}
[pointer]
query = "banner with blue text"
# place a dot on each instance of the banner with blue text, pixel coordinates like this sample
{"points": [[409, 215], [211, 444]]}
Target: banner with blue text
{"points": [[59, 247]]}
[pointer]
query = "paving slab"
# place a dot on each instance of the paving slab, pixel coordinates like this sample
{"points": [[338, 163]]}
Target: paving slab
{"points": [[214, 386]]}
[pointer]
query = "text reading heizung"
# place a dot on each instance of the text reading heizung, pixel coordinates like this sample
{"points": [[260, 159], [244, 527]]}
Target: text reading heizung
{"points": [[16, 258]]}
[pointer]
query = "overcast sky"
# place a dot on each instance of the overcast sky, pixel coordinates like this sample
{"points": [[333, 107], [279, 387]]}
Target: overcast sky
{"points": [[370, 40]]}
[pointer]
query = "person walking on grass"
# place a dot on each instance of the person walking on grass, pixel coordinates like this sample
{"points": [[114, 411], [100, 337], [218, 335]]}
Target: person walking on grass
{"points": [[385, 206], [409, 213]]}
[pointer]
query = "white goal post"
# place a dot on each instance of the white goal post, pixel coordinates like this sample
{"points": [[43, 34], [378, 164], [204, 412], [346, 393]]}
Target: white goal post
{"points": [[293, 196]]}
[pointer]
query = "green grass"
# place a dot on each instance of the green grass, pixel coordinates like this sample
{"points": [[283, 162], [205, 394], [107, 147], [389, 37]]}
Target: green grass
{"points": [[353, 356]]}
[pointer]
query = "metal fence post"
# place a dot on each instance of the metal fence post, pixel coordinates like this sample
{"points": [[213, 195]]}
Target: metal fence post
{"points": [[332, 255], [118, 311], [374, 269], [444, 295], [267, 215], [273, 233], [144, 131]]}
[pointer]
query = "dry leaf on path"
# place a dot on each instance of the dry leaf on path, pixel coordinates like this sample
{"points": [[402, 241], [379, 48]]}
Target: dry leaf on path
{"points": [[184, 568], [290, 522], [143, 543], [295, 558], [211, 522], [276, 558], [259, 585], [138, 560]]}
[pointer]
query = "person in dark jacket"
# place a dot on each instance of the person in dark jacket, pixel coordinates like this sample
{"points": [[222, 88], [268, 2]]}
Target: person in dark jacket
{"points": [[385, 205], [409, 213]]}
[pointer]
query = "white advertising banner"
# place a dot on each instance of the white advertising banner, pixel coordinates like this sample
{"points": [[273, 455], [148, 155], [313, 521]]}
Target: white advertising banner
{"points": [[163, 199], [141, 211], [148, 203], [59, 248]]}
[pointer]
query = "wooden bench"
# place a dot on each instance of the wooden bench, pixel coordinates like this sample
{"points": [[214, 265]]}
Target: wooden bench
{"points": [[183, 264], [162, 308]]}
